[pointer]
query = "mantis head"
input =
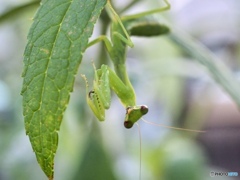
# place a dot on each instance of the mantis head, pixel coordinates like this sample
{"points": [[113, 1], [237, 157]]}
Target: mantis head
{"points": [[133, 114]]}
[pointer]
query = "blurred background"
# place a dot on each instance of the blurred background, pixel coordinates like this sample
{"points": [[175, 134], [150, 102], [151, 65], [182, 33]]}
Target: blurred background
{"points": [[178, 91]]}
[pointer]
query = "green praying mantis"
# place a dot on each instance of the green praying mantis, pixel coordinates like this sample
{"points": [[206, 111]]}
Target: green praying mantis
{"points": [[105, 78], [100, 97]]}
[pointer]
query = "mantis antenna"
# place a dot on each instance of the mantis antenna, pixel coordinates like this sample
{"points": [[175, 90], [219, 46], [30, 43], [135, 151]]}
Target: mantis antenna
{"points": [[170, 127]]}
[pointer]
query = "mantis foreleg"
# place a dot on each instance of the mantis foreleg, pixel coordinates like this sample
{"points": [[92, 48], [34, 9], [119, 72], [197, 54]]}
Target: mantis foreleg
{"points": [[99, 98]]}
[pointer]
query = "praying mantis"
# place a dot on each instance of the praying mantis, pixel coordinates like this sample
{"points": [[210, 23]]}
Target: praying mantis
{"points": [[99, 98], [105, 78]]}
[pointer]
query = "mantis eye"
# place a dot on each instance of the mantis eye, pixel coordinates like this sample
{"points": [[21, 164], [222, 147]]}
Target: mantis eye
{"points": [[128, 124], [144, 110]]}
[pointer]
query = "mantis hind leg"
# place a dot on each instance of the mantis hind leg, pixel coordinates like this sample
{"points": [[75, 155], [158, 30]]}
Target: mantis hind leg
{"points": [[139, 15], [114, 16]]}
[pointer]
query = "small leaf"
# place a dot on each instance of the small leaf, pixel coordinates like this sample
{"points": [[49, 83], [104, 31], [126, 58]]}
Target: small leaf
{"points": [[146, 26], [58, 37]]}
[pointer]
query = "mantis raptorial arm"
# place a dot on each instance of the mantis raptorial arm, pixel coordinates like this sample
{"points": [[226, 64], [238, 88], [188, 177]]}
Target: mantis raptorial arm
{"points": [[99, 98]]}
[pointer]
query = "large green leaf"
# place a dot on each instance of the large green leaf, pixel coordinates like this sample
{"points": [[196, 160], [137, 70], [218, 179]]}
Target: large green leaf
{"points": [[56, 41]]}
